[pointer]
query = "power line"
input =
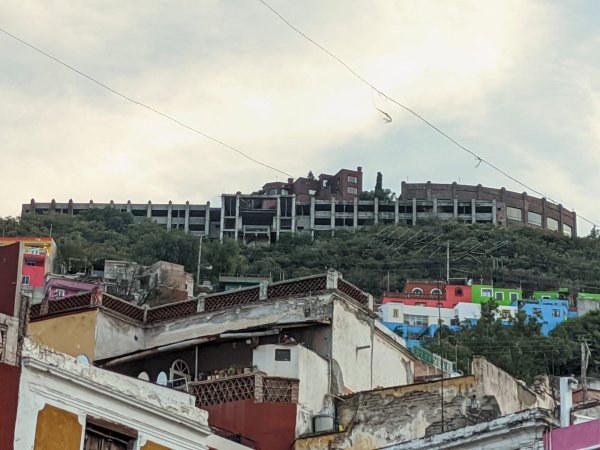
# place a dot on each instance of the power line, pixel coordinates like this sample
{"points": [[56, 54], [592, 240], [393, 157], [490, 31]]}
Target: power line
{"points": [[143, 105], [410, 110]]}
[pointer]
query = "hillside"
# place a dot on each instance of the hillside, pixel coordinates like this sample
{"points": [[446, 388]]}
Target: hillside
{"points": [[373, 259]]}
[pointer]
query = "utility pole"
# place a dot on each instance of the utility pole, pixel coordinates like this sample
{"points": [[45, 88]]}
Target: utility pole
{"points": [[199, 262], [585, 356], [447, 261]]}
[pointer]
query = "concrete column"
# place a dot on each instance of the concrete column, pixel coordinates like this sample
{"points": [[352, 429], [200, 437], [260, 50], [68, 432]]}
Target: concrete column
{"points": [[494, 219], [332, 222], [355, 213], [53, 205], [207, 220], [263, 290], [544, 214], [428, 190], [375, 210], [574, 229], [473, 220], [278, 218], [455, 208], [396, 209], [525, 208], [414, 211], [333, 277], [435, 209], [237, 216], [169, 215], [149, 210], [129, 206], [222, 218], [560, 218], [294, 213], [186, 221], [454, 194], [312, 216], [70, 206]]}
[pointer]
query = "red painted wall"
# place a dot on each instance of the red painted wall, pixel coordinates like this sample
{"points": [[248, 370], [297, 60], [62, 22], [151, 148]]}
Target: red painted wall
{"points": [[35, 273], [583, 435], [271, 425], [9, 398], [9, 274]]}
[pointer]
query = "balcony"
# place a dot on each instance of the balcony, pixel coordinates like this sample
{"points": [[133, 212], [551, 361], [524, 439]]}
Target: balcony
{"points": [[257, 386]]}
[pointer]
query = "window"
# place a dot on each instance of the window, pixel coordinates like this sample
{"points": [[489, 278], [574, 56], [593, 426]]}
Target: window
{"points": [[499, 295], [324, 183], [59, 293], [514, 296], [417, 291], [395, 313], [353, 180], [534, 219], [556, 313], [352, 190], [25, 280], [567, 230], [436, 291], [100, 438], [486, 293], [283, 354], [458, 292], [514, 214], [420, 303], [35, 251], [30, 263], [552, 224], [162, 378], [419, 321], [82, 359], [537, 312], [143, 375]]}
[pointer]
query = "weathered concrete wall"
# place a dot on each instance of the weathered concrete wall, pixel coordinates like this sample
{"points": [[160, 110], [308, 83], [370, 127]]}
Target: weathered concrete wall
{"points": [[390, 366], [381, 417], [10, 326], [512, 395], [585, 305], [73, 334], [313, 373]]}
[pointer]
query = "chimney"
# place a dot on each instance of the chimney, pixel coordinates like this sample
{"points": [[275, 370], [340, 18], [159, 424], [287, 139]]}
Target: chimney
{"points": [[290, 181], [359, 169]]}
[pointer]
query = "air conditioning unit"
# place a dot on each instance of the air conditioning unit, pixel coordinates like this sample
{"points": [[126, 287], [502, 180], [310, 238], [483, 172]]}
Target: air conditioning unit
{"points": [[322, 422]]}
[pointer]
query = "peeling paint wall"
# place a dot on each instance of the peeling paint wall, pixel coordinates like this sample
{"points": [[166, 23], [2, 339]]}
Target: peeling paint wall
{"points": [[115, 336], [52, 380], [73, 334], [57, 429]]}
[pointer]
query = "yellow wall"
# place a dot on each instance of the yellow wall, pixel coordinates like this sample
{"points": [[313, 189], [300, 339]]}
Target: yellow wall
{"points": [[152, 446], [57, 430], [73, 334]]}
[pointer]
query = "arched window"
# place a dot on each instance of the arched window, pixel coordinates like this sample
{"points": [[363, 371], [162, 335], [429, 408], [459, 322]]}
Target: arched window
{"points": [[179, 373], [436, 291], [458, 292], [417, 291], [143, 375], [162, 378], [83, 359]]}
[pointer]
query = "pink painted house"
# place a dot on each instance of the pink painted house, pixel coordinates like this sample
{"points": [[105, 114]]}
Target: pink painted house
{"points": [[575, 437], [61, 287]]}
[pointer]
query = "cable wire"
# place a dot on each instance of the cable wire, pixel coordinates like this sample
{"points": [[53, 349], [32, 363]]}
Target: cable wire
{"points": [[412, 111], [143, 105]]}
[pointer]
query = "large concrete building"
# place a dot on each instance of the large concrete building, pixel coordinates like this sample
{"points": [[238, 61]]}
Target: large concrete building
{"points": [[265, 216]]}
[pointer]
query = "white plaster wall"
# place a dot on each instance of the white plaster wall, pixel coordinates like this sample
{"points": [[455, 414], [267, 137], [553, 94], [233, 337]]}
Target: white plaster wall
{"points": [[390, 366], [468, 311], [11, 326], [115, 336], [387, 312], [352, 329], [313, 374], [263, 357], [164, 416]]}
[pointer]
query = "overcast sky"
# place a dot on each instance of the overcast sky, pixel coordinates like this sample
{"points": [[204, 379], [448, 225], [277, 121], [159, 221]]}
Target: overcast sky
{"points": [[518, 82]]}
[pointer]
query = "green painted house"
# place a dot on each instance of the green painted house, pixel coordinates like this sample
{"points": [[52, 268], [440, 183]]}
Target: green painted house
{"points": [[561, 294], [482, 293]]}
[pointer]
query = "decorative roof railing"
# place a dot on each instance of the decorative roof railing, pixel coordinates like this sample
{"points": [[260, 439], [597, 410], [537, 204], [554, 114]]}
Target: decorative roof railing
{"points": [[256, 385], [220, 301]]}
